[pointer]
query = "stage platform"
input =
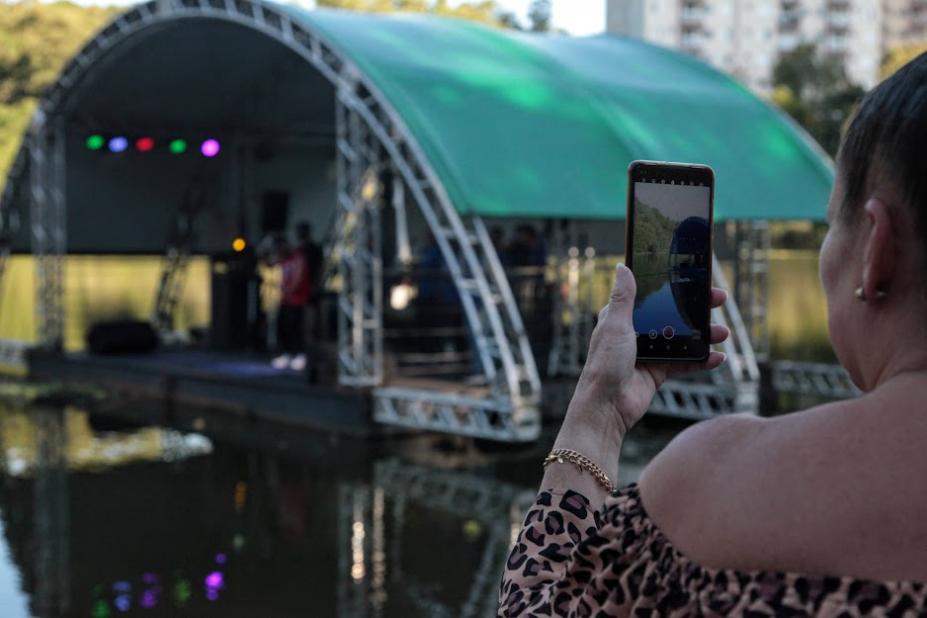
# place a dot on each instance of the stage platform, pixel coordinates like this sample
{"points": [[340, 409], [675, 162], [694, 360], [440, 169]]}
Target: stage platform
{"points": [[239, 384]]}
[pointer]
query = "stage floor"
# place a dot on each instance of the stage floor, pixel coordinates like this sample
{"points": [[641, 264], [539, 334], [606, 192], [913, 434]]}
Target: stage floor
{"points": [[237, 383]]}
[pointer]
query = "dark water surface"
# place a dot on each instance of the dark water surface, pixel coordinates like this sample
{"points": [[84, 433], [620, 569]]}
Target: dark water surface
{"points": [[215, 517]]}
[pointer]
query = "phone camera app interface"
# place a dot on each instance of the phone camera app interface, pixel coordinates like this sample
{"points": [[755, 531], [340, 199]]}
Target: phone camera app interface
{"points": [[671, 244]]}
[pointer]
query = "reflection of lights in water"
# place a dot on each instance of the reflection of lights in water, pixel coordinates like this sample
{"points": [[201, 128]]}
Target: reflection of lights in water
{"points": [[123, 602], [149, 598], [241, 495], [357, 551], [214, 582], [378, 593], [472, 529], [100, 609], [358, 533], [182, 592]]}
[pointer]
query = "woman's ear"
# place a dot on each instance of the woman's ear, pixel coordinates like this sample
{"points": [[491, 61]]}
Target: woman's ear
{"points": [[879, 251]]}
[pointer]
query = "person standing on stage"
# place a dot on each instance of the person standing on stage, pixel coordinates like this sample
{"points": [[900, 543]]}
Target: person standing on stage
{"points": [[294, 294], [314, 258]]}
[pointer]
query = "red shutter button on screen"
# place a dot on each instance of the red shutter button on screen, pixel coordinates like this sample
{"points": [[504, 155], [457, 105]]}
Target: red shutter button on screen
{"points": [[668, 332]]}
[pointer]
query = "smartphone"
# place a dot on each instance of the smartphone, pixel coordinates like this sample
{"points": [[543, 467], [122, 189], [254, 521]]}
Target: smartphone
{"points": [[669, 248]]}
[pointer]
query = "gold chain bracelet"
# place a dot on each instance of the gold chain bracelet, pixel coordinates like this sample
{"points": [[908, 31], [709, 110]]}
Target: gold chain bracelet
{"points": [[561, 455]]}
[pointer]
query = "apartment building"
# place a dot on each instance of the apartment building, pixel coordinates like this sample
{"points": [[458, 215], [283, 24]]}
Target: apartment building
{"points": [[904, 22], [746, 37]]}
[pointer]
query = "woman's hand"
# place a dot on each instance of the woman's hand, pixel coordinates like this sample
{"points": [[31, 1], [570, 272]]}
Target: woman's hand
{"points": [[614, 389]]}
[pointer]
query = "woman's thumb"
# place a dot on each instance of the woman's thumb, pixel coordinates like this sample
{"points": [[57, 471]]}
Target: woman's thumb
{"points": [[621, 303]]}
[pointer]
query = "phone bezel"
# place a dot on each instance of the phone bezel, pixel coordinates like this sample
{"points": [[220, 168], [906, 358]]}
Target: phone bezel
{"points": [[642, 171]]}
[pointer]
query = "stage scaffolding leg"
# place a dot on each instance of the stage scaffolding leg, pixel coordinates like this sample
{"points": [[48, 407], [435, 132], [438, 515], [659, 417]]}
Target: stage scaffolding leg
{"points": [[565, 352], [47, 214], [360, 265], [751, 281]]}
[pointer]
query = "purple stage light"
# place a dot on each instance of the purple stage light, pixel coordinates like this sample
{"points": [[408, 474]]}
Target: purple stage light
{"points": [[214, 583], [149, 599], [210, 148], [220, 558], [118, 144]]}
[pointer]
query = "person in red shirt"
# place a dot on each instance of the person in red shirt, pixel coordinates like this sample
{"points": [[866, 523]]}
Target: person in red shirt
{"points": [[294, 287]]}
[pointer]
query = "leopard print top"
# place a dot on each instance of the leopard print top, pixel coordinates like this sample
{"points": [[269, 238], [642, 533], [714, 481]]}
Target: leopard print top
{"points": [[570, 560]]}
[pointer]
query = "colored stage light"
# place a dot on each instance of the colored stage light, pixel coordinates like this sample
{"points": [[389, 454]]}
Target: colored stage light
{"points": [[238, 245], [118, 144], [144, 144], [178, 146], [95, 142], [210, 148]]}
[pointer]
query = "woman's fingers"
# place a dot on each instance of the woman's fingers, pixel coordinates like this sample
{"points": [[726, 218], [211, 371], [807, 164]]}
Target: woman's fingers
{"points": [[718, 296], [713, 362], [719, 333]]}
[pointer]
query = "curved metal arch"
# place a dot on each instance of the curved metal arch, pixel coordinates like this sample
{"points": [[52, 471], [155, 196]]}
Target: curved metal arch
{"points": [[511, 411]]}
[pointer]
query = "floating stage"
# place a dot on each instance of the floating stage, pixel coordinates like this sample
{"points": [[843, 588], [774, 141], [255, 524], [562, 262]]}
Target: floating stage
{"points": [[243, 385]]}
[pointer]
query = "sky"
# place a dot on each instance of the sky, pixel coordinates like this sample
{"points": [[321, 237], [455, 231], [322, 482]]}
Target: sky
{"points": [[579, 17], [674, 201]]}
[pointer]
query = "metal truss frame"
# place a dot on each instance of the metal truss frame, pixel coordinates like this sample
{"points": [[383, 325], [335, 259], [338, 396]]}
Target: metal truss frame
{"points": [[573, 303], [46, 146], [359, 247], [489, 305], [363, 565], [751, 280], [813, 379]]}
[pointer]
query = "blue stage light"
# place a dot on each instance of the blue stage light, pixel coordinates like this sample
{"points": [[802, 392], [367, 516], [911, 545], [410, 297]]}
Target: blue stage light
{"points": [[118, 144]]}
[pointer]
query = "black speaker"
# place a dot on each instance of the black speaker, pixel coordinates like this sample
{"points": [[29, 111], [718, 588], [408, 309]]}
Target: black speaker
{"points": [[230, 327], [122, 337]]}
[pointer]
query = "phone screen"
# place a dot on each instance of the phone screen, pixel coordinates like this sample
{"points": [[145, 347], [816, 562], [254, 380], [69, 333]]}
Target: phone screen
{"points": [[670, 218]]}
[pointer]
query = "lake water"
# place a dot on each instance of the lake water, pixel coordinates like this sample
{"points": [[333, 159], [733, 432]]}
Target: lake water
{"points": [[208, 517]]}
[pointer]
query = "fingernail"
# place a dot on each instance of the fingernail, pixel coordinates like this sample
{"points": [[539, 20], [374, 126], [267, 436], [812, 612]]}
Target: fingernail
{"points": [[621, 267]]}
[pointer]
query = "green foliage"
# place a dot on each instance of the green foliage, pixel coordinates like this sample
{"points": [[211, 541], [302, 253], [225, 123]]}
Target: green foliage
{"points": [[539, 15], [653, 231], [814, 90], [36, 39], [484, 11], [900, 56]]}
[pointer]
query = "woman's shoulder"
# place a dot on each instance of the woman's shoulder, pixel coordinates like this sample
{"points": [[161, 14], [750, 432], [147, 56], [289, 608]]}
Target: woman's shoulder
{"points": [[673, 580], [807, 492]]}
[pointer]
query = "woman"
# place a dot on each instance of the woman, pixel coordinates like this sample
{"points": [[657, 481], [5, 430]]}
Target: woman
{"points": [[819, 512]]}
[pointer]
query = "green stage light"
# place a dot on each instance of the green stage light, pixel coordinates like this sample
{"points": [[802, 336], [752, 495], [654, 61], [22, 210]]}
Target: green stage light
{"points": [[178, 146], [95, 142]]}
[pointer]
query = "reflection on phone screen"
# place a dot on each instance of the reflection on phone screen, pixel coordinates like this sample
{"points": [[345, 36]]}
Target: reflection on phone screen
{"points": [[671, 258]]}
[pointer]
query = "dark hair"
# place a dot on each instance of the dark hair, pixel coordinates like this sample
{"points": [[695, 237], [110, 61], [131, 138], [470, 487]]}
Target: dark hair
{"points": [[886, 140]]}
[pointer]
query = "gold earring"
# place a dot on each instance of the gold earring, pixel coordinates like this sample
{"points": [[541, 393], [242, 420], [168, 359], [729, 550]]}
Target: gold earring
{"points": [[879, 295]]}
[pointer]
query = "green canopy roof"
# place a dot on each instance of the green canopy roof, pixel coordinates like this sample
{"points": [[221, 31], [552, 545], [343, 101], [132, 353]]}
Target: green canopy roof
{"points": [[520, 125]]}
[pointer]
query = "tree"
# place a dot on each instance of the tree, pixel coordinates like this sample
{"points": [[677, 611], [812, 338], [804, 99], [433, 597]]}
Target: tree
{"points": [[36, 39], [484, 11], [815, 90], [900, 56], [539, 14]]}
